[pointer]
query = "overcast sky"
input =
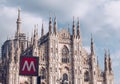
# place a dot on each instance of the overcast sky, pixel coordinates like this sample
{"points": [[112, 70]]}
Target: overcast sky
{"points": [[99, 17]]}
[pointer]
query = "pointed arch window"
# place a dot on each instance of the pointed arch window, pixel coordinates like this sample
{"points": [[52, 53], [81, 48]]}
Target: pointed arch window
{"points": [[65, 55], [86, 76]]}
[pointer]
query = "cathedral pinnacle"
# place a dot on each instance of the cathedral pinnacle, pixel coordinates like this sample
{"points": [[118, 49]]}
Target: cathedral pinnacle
{"points": [[42, 30], [110, 63], [19, 13], [74, 29], [55, 25], [50, 25], [92, 45], [78, 28], [106, 61]]}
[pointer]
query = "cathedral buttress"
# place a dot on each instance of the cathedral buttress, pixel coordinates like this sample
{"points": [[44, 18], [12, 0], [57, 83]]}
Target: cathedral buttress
{"points": [[76, 55]]}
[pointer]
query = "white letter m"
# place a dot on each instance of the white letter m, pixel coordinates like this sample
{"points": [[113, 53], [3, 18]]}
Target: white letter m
{"points": [[29, 67]]}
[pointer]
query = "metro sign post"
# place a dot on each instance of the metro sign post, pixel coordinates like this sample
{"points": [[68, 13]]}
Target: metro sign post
{"points": [[29, 66]]}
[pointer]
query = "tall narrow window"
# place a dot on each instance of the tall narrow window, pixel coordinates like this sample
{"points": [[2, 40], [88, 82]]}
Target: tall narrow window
{"points": [[86, 76], [65, 55]]}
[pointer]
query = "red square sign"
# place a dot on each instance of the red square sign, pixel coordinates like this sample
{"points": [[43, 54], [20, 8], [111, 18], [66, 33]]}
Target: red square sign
{"points": [[29, 66]]}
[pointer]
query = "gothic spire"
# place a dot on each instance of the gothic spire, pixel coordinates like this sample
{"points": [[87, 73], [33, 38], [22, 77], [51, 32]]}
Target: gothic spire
{"points": [[78, 29], [92, 46], [50, 25], [74, 29], [55, 25], [42, 30], [110, 63], [106, 61], [18, 24]]}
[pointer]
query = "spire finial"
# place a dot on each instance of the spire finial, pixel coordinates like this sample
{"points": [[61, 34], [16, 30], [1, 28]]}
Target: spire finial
{"points": [[42, 30], [18, 13]]}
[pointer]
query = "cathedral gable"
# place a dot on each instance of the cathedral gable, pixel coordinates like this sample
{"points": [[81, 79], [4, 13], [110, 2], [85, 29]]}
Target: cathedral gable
{"points": [[64, 36]]}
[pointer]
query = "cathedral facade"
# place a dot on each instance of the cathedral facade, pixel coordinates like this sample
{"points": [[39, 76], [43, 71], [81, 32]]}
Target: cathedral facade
{"points": [[62, 58]]}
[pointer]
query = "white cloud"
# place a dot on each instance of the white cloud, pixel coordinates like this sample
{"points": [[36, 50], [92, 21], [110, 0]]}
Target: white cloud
{"points": [[30, 20], [116, 58], [113, 14], [87, 48]]}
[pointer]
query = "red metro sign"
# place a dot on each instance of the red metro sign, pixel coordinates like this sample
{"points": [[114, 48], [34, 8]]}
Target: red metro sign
{"points": [[29, 66]]}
